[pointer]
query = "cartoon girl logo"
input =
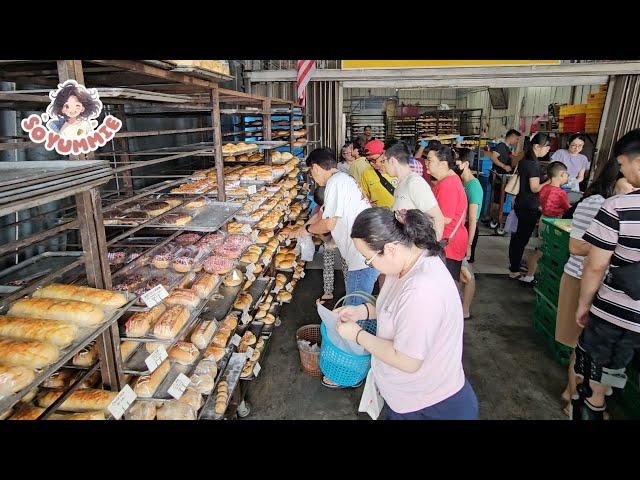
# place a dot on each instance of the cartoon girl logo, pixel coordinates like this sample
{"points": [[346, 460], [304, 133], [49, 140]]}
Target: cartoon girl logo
{"points": [[73, 109], [71, 121]]}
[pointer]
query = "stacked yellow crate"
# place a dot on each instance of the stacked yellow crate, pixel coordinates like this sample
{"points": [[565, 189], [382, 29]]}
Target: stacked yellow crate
{"points": [[570, 110], [595, 105]]}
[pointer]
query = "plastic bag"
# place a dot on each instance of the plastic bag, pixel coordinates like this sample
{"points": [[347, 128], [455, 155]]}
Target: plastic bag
{"points": [[305, 346], [511, 223], [330, 320], [175, 410], [371, 401], [141, 411], [307, 248]]}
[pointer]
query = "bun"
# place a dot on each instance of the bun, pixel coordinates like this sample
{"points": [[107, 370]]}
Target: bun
{"points": [[60, 334], [243, 301], [233, 278], [80, 313], [204, 284], [87, 356], [284, 296], [214, 352], [185, 353], [202, 335], [147, 385]]}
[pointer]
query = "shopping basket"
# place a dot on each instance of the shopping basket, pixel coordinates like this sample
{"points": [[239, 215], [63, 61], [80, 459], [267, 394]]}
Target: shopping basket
{"points": [[309, 360], [342, 368]]}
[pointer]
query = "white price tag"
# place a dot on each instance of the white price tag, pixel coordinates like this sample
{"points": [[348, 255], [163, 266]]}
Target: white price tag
{"points": [[178, 387], [287, 242], [154, 296], [280, 225], [246, 229], [122, 402], [250, 269], [251, 189], [256, 369], [302, 274], [299, 197], [289, 288], [254, 236], [265, 261], [251, 277], [277, 289], [245, 318], [249, 353], [235, 340], [154, 360]]}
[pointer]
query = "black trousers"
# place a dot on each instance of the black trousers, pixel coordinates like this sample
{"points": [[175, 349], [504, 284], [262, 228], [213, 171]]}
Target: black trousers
{"points": [[474, 243], [527, 220]]}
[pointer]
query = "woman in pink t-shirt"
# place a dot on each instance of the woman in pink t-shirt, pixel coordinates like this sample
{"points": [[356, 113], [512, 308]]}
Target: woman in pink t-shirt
{"points": [[417, 350]]}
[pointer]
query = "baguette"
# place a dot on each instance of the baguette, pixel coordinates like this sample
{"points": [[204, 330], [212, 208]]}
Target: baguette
{"points": [[203, 334], [14, 379], [86, 400], [58, 333], [27, 353], [171, 321], [28, 412], [147, 385], [139, 323], [80, 313], [79, 416], [87, 356], [95, 296]]}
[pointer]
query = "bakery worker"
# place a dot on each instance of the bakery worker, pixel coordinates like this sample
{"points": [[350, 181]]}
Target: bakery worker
{"points": [[368, 136], [502, 156]]}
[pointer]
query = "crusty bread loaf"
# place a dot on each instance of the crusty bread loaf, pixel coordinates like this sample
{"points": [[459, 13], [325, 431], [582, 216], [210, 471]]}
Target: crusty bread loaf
{"points": [[127, 348], [27, 412], [185, 353], [202, 335], [80, 313], [141, 411], [87, 356], [192, 398], [171, 321], [175, 410], [86, 400], [140, 322], [13, 379], [214, 352], [96, 296], [60, 334], [27, 353], [79, 416], [147, 385]]}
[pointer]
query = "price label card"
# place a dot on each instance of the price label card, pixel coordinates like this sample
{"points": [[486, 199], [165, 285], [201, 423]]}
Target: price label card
{"points": [[277, 289], [154, 360], [265, 261], [254, 236], [178, 387], [299, 197], [280, 225], [287, 242], [154, 296], [122, 402], [302, 274], [250, 269], [235, 340], [289, 288], [256, 369], [246, 229], [251, 189], [249, 352], [245, 318]]}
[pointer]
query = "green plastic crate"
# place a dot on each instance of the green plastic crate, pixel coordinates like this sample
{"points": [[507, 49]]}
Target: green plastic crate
{"points": [[544, 322], [554, 265], [548, 283], [555, 238]]}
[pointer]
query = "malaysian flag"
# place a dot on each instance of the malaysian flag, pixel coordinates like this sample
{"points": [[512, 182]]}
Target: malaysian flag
{"points": [[305, 69]]}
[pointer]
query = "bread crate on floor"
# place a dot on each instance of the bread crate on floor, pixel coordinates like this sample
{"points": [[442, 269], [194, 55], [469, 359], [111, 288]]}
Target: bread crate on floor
{"points": [[544, 322]]}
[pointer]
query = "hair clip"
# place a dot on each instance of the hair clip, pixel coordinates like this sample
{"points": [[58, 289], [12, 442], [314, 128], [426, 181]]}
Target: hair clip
{"points": [[401, 215]]}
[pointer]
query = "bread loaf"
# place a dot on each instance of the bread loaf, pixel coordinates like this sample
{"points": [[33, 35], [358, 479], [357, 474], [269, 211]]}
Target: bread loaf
{"points": [[87, 356], [202, 383], [175, 410], [214, 352], [60, 334], [95, 296], [185, 353], [28, 412], [147, 385], [80, 313], [79, 416], [202, 335], [27, 353], [126, 349], [183, 296], [139, 323], [60, 379], [141, 411], [13, 379], [191, 398], [243, 301], [204, 284], [171, 321], [85, 400]]}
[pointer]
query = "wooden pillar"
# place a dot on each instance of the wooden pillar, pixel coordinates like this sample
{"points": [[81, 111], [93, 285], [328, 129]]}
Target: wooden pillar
{"points": [[266, 128], [123, 146], [217, 142]]}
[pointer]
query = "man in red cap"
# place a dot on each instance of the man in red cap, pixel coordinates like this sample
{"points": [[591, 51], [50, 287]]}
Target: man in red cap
{"points": [[375, 182], [373, 149]]}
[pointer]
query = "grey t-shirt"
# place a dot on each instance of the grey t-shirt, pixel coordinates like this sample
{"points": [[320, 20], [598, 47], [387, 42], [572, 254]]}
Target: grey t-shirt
{"points": [[413, 192]]}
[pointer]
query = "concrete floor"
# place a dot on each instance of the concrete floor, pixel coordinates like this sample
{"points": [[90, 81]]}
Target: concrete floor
{"points": [[507, 363]]}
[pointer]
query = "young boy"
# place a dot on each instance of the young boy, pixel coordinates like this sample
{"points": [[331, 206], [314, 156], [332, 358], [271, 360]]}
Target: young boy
{"points": [[554, 201]]}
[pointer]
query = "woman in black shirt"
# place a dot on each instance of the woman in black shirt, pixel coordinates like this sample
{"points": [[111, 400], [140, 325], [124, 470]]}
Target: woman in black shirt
{"points": [[527, 204]]}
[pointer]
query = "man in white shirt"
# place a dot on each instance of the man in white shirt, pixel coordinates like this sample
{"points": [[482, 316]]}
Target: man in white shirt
{"points": [[412, 191]]}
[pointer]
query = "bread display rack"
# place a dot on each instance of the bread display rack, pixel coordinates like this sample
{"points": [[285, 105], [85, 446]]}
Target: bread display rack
{"points": [[120, 176]]}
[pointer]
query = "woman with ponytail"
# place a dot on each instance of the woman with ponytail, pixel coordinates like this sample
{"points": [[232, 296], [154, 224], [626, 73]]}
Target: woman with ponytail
{"points": [[416, 355]]}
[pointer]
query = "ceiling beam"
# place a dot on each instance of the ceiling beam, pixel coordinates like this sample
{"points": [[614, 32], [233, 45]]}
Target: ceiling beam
{"points": [[496, 82]]}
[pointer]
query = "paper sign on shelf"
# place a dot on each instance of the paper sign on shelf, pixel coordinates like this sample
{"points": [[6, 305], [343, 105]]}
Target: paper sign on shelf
{"points": [[154, 360], [256, 369], [254, 236], [289, 288], [249, 352], [177, 388], [265, 261], [235, 340], [122, 402], [251, 189], [154, 296], [287, 242], [245, 318], [246, 229]]}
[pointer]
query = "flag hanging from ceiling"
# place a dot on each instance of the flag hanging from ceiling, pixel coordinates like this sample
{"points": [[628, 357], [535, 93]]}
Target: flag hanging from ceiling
{"points": [[305, 69]]}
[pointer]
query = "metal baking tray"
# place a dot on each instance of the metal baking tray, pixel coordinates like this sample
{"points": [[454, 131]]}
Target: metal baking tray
{"points": [[19, 173], [266, 338], [219, 309], [206, 219], [258, 291], [232, 375], [43, 264], [86, 336]]}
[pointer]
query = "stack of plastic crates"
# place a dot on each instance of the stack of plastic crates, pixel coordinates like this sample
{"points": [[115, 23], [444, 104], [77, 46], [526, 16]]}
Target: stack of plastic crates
{"points": [[554, 233], [629, 397]]}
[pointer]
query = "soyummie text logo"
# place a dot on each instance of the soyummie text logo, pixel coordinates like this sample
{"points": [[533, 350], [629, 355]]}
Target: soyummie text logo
{"points": [[69, 125]]}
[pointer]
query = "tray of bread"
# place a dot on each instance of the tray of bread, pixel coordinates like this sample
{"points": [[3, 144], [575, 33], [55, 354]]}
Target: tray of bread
{"points": [[141, 211], [209, 217], [40, 334], [218, 402], [254, 356]]}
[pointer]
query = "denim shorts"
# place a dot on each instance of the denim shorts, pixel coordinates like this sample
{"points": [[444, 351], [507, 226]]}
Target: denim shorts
{"points": [[360, 280]]}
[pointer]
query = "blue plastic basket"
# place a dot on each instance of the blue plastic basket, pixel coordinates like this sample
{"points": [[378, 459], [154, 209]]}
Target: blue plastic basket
{"points": [[342, 368]]}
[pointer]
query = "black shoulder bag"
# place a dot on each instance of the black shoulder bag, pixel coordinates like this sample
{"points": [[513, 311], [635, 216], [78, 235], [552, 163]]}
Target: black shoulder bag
{"points": [[385, 183]]}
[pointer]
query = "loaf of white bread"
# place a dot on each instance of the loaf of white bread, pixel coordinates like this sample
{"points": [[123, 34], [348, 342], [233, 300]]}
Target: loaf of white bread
{"points": [[32, 413], [60, 334], [147, 385], [27, 353], [86, 400], [13, 379], [95, 296], [79, 313]]}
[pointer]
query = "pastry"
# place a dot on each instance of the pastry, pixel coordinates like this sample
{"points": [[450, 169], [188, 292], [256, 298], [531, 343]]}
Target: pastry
{"points": [[116, 258], [229, 322], [212, 240], [14, 378], [204, 284], [195, 204], [187, 239], [86, 400], [192, 398], [27, 353], [175, 410], [55, 332], [218, 265], [284, 296], [171, 322], [139, 323], [173, 202], [202, 383], [177, 219], [233, 278], [269, 319], [185, 353], [250, 257], [243, 301], [87, 356], [183, 296], [183, 264], [214, 352], [203, 333], [220, 339], [141, 411], [129, 283], [60, 379], [147, 385], [249, 338], [260, 314], [157, 208]]}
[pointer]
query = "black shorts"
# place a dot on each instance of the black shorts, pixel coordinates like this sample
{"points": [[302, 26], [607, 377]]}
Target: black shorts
{"points": [[454, 267], [609, 345]]}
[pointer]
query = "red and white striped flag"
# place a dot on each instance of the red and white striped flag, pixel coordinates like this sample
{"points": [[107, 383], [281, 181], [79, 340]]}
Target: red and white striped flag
{"points": [[305, 69]]}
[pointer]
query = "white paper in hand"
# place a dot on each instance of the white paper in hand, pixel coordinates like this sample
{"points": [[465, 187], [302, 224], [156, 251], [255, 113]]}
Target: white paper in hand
{"points": [[330, 320]]}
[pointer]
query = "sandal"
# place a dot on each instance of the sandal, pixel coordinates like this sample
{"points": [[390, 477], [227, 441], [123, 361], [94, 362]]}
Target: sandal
{"points": [[324, 298], [515, 275], [329, 384]]}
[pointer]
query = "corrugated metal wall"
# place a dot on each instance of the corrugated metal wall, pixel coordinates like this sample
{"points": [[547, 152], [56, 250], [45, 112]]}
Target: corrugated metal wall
{"points": [[431, 96]]}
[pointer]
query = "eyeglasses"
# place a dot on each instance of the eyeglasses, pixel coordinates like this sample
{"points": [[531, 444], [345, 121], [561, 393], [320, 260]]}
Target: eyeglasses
{"points": [[368, 261]]}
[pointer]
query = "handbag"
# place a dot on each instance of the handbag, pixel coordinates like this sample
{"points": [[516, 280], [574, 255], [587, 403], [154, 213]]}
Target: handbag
{"points": [[513, 184], [385, 183], [625, 278]]}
